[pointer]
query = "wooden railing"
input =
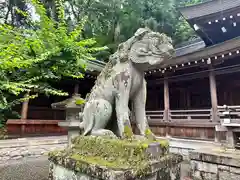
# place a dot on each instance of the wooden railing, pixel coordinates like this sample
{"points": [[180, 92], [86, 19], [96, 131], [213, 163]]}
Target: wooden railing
{"points": [[234, 112], [155, 115], [179, 115], [199, 114], [173, 115]]}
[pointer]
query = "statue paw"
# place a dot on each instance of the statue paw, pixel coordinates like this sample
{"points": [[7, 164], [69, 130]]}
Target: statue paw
{"points": [[104, 132]]}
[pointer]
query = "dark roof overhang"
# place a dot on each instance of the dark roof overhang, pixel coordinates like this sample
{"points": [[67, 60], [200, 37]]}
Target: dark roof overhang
{"points": [[220, 50], [207, 8], [215, 21], [95, 66]]}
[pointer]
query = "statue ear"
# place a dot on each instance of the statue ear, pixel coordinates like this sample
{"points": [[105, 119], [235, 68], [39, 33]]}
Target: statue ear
{"points": [[141, 32]]}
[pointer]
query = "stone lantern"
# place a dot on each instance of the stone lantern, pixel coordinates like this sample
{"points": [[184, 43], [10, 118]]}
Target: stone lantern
{"points": [[73, 106]]}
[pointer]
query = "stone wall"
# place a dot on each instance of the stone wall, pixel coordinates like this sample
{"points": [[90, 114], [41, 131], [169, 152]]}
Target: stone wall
{"points": [[215, 164]]}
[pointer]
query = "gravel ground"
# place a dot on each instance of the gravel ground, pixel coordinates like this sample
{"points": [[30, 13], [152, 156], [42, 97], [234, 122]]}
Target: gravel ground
{"points": [[37, 169], [25, 169]]}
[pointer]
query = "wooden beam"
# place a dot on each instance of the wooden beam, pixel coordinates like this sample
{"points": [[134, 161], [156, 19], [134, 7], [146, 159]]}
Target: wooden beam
{"points": [[213, 93], [196, 75], [166, 100]]}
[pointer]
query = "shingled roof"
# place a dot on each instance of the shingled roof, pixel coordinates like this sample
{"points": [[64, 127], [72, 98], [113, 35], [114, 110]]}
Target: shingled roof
{"points": [[207, 8]]}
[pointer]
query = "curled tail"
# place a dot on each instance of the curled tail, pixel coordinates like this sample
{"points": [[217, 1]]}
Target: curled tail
{"points": [[90, 122], [81, 125]]}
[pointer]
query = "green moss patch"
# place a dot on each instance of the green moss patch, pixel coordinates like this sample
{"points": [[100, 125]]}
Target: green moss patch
{"points": [[99, 146], [80, 101], [115, 154]]}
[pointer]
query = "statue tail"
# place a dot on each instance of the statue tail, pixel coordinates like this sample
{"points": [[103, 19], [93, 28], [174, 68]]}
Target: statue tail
{"points": [[91, 122], [81, 125]]}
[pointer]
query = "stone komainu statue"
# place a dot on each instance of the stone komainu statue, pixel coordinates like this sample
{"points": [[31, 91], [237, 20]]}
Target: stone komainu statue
{"points": [[122, 80]]}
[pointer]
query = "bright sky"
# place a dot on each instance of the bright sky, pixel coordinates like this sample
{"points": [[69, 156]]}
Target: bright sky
{"points": [[32, 11]]}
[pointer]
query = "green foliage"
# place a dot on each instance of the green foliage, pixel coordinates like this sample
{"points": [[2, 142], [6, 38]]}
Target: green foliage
{"points": [[114, 21], [58, 45], [49, 51]]}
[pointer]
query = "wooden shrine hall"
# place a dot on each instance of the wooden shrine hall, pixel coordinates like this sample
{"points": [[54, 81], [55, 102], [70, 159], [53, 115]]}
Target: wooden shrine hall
{"points": [[187, 96]]}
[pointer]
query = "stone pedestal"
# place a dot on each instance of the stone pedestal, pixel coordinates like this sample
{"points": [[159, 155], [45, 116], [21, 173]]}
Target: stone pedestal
{"points": [[102, 158], [215, 164], [72, 129]]}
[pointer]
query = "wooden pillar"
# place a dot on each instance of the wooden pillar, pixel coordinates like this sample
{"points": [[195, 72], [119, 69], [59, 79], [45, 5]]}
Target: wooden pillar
{"points": [[76, 88], [24, 111], [188, 98], [213, 92], [166, 100]]}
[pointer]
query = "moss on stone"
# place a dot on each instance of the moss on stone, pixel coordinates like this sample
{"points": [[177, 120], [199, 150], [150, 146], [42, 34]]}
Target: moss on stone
{"points": [[79, 101], [149, 134], [115, 154], [128, 133]]}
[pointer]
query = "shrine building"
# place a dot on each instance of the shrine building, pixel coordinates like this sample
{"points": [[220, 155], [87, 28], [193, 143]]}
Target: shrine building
{"points": [[185, 97]]}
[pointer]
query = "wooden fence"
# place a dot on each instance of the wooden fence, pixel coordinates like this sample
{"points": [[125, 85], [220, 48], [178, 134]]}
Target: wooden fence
{"points": [[193, 124], [181, 115], [234, 111], [197, 114]]}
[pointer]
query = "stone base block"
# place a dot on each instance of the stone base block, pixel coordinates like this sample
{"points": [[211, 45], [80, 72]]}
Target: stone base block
{"points": [[102, 158], [58, 172]]}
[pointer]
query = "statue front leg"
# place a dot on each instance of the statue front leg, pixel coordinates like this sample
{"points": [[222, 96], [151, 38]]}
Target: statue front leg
{"points": [[139, 103], [122, 109]]}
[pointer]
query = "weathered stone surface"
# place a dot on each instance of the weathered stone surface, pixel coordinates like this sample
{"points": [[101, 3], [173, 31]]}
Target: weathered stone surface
{"points": [[217, 156], [208, 176], [208, 167], [234, 176], [194, 165], [106, 158], [204, 167], [215, 164], [235, 170], [174, 150], [194, 155], [60, 173], [196, 175], [223, 168], [224, 175]]}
